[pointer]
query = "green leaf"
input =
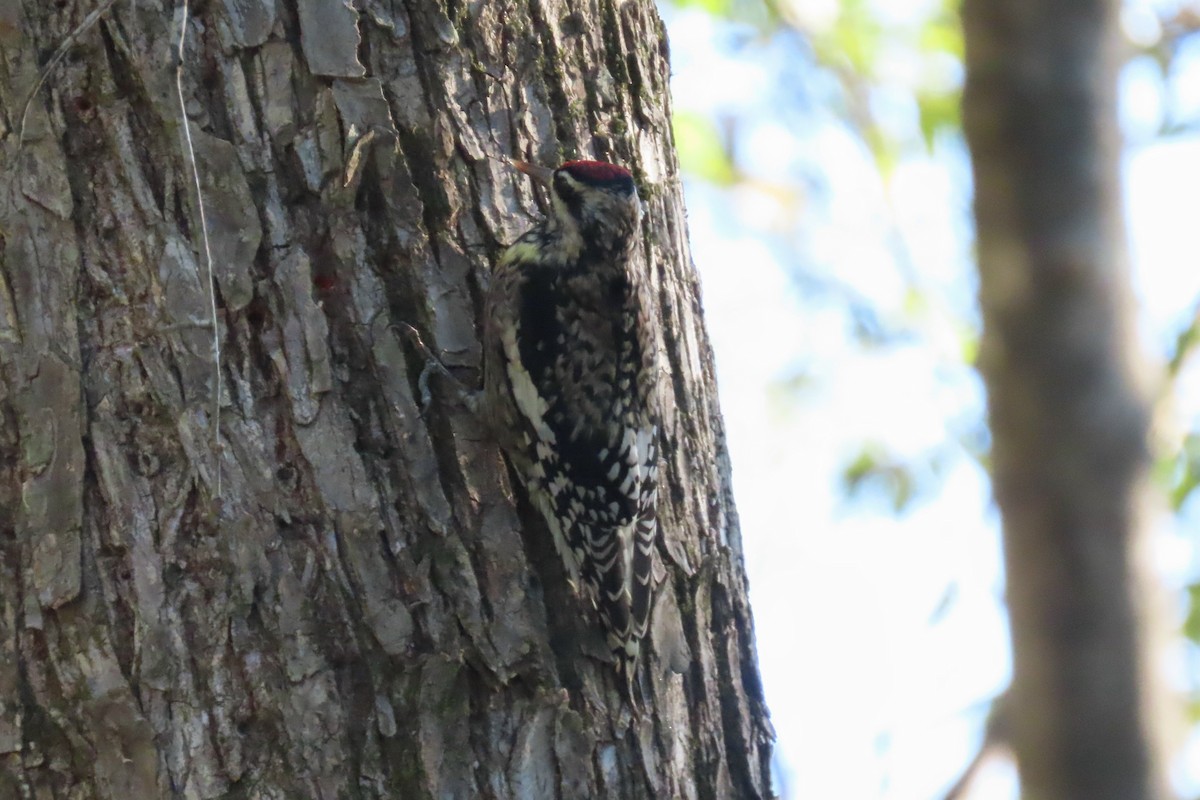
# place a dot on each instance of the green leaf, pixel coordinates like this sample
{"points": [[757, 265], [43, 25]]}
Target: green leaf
{"points": [[1191, 625], [968, 344], [718, 8], [1185, 343], [857, 36], [702, 150], [1185, 476], [939, 112], [873, 469], [1193, 710], [942, 35], [763, 14]]}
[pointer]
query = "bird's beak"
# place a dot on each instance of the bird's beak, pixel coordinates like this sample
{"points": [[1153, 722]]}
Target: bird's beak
{"points": [[540, 174]]}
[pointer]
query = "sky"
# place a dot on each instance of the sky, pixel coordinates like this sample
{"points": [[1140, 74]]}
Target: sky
{"points": [[882, 637]]}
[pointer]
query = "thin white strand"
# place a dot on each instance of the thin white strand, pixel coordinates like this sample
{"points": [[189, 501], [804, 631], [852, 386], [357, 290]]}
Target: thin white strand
{"points": [[208, 259]]}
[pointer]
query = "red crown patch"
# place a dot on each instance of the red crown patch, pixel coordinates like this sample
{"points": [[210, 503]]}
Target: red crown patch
{"points": [[596, 171]]}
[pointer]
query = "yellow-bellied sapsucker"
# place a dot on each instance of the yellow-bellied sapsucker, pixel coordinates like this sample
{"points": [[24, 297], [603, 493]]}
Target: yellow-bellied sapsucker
{"points": [[569, 385]]}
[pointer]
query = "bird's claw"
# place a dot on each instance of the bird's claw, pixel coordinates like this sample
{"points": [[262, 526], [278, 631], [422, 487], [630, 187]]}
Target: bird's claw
{"points": [[434, 364]]}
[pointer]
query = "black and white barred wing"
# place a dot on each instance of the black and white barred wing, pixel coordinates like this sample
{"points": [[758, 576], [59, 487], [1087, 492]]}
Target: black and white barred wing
{"points": [[591, 441]]}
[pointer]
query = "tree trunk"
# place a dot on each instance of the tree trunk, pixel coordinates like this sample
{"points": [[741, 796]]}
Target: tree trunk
{"points": [[1068, 420], [362, 610]]}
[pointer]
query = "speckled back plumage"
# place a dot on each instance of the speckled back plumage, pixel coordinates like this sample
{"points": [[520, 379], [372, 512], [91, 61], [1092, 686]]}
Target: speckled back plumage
{"points": [[570, 367]]}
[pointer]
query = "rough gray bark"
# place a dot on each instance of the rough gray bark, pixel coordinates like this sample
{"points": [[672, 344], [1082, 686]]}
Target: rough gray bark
{"points": [[363, 612], [1069, 424]]}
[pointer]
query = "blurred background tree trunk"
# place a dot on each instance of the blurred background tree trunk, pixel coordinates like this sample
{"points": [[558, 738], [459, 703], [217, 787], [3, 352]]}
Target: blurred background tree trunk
{"points": [[1067, 413], [362, 611]]}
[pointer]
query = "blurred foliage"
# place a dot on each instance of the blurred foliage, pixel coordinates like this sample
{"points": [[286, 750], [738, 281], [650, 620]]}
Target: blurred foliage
{"points": [[1191, 626], [847, 52], [761, 13], [1180, 472], [853, 47], [900, 481], [1185, 345], [702, 148], [875, 472], [853, 64]]}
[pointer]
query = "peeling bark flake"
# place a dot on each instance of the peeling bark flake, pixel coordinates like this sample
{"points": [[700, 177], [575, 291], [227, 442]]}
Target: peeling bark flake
{"points": [[329, 36]]}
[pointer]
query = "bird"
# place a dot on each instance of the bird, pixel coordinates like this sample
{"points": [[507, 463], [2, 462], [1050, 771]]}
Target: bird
{"points": [[570, 367]]}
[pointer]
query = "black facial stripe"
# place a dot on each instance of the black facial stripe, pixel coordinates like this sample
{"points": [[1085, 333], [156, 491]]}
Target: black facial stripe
{"points": [[568, 194]]}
